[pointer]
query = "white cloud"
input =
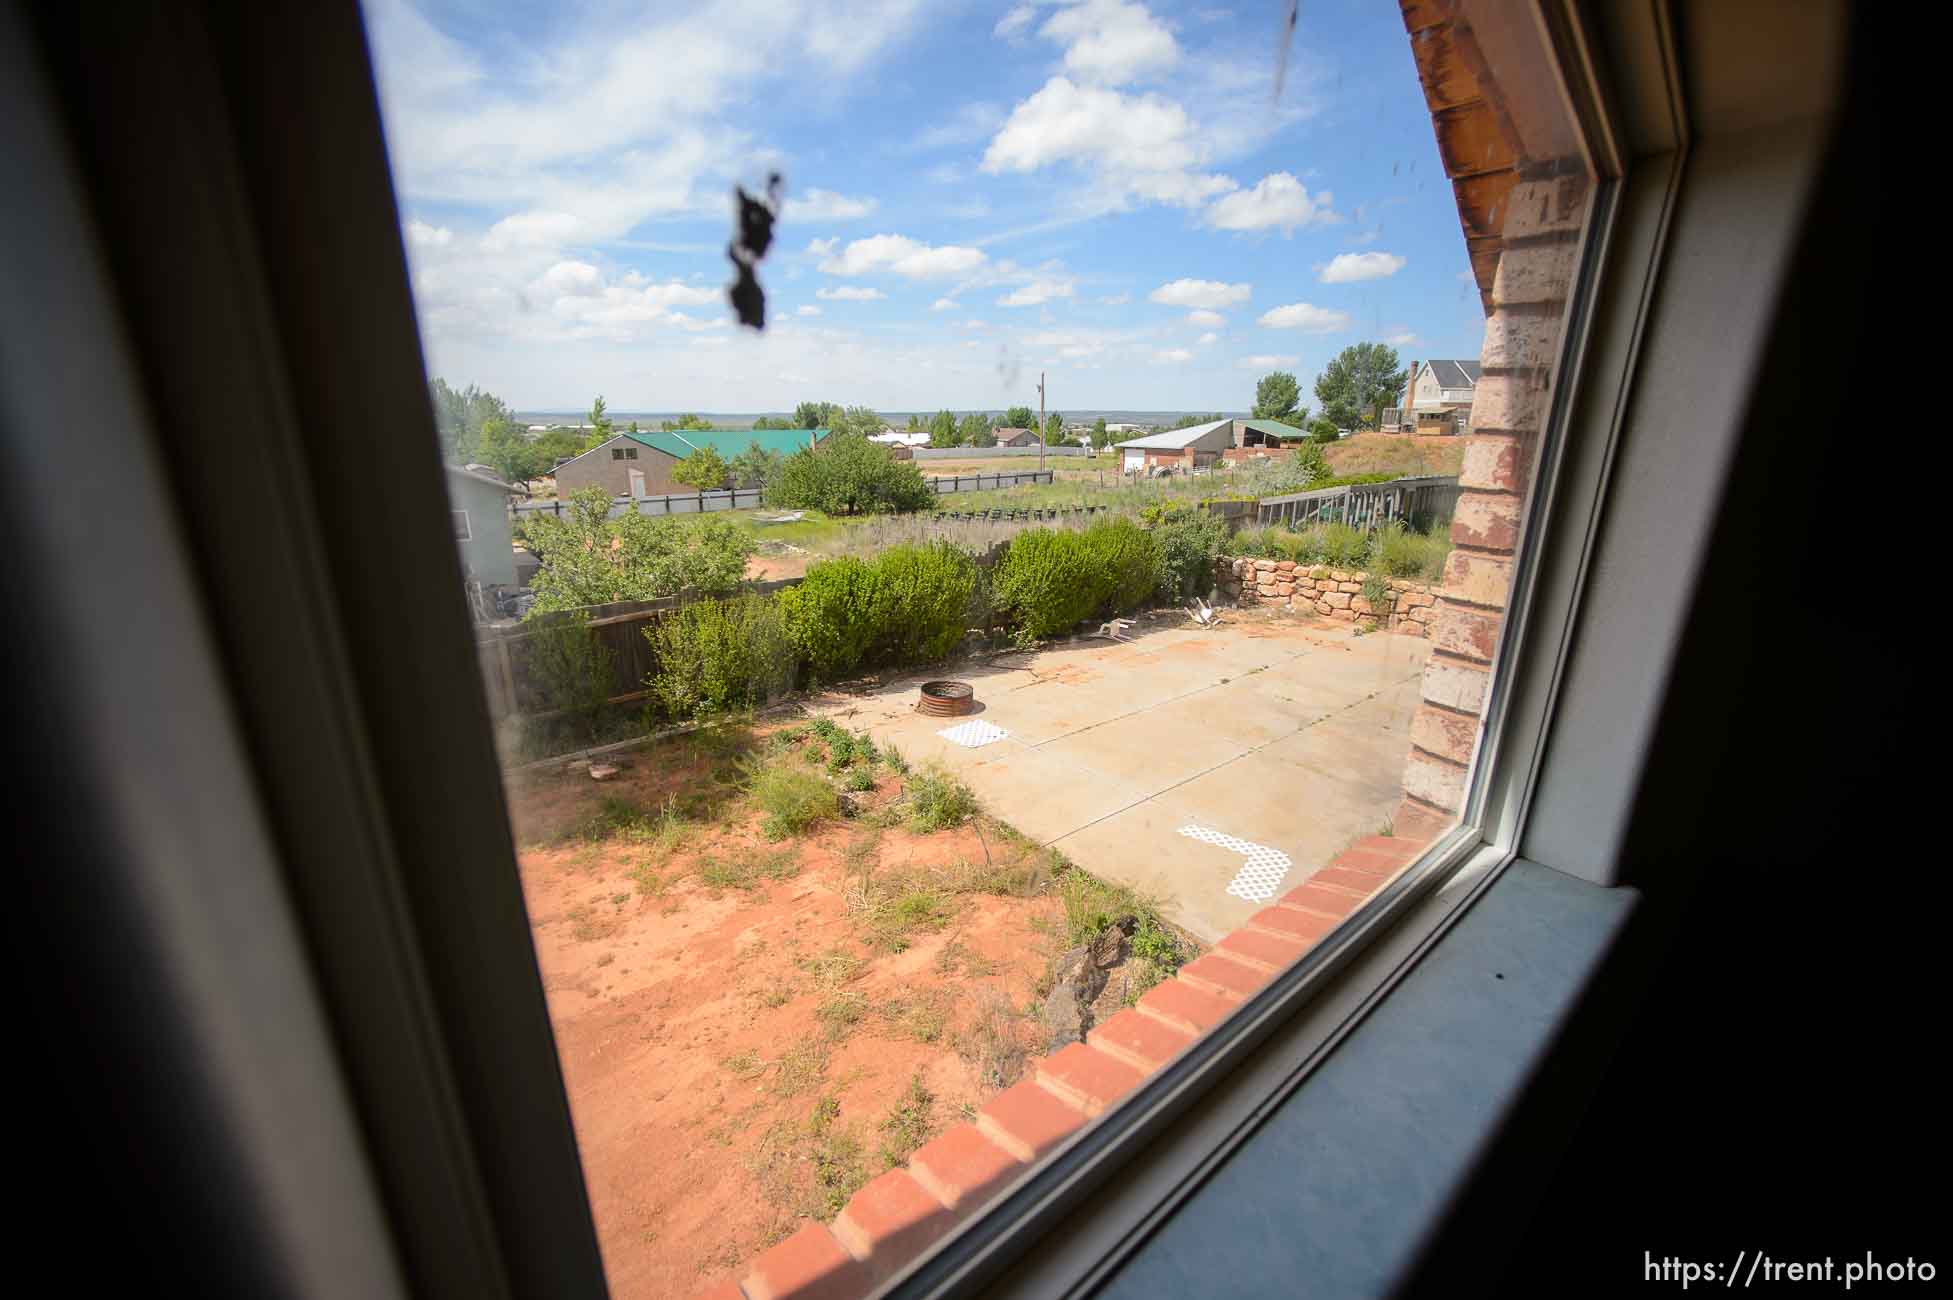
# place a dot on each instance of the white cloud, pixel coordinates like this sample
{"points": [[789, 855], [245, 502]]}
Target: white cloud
{"points": [[1278, 201], [1205, 318], [575, 279], [1173, 356], [849, 293], [609, 120], [531, 230], [826, 205], [903, 256], [1303, 316], [421, 235], [1200, 293], [944, 304], [807, 309], [1267, 361], [1399, 336], [1349, 268], [822, 247], [1111, 42], [1037, 291], [1014, 22], [1207, 338], [1142, 146]]}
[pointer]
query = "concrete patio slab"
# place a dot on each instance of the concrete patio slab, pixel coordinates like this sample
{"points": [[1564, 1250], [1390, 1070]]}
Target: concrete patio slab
{"points": [[1280, 730]]}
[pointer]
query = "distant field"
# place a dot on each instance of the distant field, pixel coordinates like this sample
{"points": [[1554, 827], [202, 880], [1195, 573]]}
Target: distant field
{"points": [[1395, 453]]}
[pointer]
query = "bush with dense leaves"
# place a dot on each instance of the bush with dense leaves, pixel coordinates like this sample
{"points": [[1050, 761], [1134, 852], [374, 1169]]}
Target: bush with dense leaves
{"points": [[848, 475], [1050, 580], [719, 655], [572, 669], [1187, 542], [908, 605], [588, 558]]}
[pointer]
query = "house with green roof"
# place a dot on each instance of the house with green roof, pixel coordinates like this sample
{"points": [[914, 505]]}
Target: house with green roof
{"points": [[640, 464]]}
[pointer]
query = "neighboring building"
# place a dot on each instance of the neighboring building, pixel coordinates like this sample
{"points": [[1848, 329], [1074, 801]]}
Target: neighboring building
{"points": [[900, 438], [478, 504], [1127, 428], [640, 464], [1438, 398], [1202, 444], [1018, 438], [1264, 433]]}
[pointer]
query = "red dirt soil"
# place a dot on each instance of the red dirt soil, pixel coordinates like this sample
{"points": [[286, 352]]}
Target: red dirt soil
{"points": [[652, 990]]}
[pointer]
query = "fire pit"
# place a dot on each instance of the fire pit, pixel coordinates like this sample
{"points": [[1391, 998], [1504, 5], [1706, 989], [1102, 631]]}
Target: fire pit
{"points": [[946, 699]]}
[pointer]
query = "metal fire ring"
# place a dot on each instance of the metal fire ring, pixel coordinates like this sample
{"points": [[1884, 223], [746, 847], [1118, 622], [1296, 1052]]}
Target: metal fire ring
{"points": [[946, 699]]}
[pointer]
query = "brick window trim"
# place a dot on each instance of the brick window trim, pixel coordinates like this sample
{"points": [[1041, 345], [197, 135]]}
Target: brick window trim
{"points": [[899, 1215]]}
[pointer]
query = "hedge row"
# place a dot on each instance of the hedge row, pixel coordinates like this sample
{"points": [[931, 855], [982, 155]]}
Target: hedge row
{"points": [[912, 604]]}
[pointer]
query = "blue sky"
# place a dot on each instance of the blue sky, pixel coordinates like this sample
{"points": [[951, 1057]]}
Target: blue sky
{"points": [[1107, 190]]}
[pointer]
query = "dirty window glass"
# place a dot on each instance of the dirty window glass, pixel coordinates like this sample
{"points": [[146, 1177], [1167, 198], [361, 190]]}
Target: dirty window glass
{"points": [[973, 574]]}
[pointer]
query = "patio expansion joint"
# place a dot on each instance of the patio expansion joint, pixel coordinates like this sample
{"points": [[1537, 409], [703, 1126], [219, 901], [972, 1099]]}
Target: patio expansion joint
{"points": [[1208, 771]]}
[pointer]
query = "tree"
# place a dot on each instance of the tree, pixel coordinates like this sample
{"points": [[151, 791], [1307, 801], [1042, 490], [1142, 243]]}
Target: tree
{"points": [[600, 426], [558, 444], [815, 415], [848, 476], [1323, 429], [1361, 380], [974, 431], [943, 430], [686, 421], [460, 417], [1277, 396], [1189, 421], [507, 448], [588, 558], [1054, 428], [1101, 436], [1019, 417], [775, 422], [855, 420], [755, 466], [705, 469]]}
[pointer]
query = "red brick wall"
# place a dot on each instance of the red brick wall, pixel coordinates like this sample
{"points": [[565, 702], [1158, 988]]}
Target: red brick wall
{"points": [[1522, 337]]}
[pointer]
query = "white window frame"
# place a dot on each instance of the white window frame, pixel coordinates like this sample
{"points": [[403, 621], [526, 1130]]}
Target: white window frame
{"points": [[467, 532]]}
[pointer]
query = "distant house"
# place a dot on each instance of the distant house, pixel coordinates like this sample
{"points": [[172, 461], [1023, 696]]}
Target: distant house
{"points": [[1438, 398], [1265, 433], [900, 438], [640, 464], [478, 507], [1203, 444], [1018, 438]]}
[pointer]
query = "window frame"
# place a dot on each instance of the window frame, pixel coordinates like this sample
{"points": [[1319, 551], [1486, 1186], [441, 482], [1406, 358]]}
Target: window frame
{"points": [[493, 1182]]}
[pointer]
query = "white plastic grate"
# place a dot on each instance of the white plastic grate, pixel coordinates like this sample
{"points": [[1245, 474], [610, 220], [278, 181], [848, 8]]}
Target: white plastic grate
{"points": [[1260, 877], [973, 734]]}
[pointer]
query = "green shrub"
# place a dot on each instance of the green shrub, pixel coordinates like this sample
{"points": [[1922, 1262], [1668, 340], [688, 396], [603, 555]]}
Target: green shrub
{"points": [[849, 475], [1401, 553], [1043, 583], [589, 558], [572, 669], [830, 615], [715, 655], [1049, 580], [907, 605], [937, 800], [922, 602], [1187, 543], [1127, 560], [793, 799]]}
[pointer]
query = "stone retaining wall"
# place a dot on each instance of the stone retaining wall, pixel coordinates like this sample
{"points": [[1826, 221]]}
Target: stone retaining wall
{"points": [[1332, 593]]}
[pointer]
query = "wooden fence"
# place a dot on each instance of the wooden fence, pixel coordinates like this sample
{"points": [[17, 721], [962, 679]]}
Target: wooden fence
{"points": [[619, 627], [1418, 502], [700, 503]]}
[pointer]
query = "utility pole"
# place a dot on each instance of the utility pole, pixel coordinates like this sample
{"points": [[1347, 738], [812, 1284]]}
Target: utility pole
{"points": [[1040, 422]]}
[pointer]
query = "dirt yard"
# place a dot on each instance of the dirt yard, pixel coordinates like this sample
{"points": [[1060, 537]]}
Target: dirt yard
{"points": [[750, 1028]]}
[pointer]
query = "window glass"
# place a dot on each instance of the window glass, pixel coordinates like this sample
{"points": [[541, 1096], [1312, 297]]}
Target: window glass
{"points": [[1044, 608]]}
